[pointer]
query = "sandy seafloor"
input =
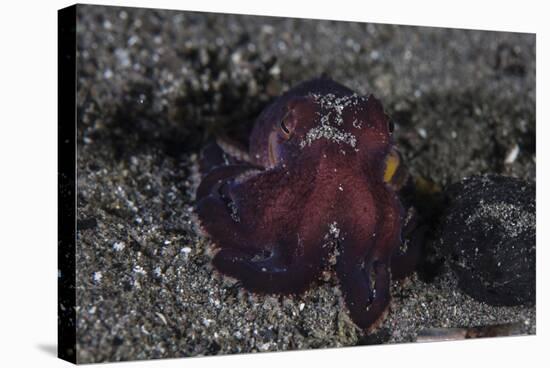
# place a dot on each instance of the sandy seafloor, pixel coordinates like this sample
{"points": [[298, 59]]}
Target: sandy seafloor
{"points": [[153, 85]]}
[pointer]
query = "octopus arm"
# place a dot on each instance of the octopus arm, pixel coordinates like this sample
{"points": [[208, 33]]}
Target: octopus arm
{"points": [[221, 175], [364, 264], [274, 270], [407, 256], [281, 251], [221, 152], [216, 206], [366, 290]]}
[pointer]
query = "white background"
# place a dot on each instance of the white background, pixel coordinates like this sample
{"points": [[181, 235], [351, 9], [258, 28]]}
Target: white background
{"points": [[28, 186]]}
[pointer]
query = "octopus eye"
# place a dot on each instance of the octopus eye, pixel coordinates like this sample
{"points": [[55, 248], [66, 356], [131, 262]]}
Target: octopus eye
{"points": [[391, 126], [285, 130]]}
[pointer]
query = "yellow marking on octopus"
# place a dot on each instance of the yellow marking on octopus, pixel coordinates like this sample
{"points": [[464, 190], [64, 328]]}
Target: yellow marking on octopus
{"points": [[392, 163]]}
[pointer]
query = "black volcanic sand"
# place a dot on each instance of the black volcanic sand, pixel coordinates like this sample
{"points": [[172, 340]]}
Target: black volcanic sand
{"points": [[154, 85]]}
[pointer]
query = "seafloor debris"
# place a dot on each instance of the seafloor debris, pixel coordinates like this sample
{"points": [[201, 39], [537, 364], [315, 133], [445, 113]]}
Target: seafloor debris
{"points": [[449, 334]]}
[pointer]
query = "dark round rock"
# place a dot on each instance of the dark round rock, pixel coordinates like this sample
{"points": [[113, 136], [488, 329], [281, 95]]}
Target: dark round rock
{"points": [[488, 236]]}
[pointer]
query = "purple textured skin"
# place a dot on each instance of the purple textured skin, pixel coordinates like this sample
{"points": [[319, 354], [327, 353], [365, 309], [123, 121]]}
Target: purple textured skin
{"points": [[311, 198]]}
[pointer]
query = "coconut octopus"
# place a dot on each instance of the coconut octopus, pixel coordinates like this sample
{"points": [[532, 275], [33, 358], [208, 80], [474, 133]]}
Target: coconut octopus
{"points": [[318, 190]]}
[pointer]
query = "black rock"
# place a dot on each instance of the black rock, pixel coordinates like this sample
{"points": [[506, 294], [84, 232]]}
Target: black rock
{"points": [[488, 236]]}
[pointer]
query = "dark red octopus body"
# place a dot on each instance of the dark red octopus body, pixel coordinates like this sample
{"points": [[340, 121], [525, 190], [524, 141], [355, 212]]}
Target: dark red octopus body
{"points": [[313, 193]]}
